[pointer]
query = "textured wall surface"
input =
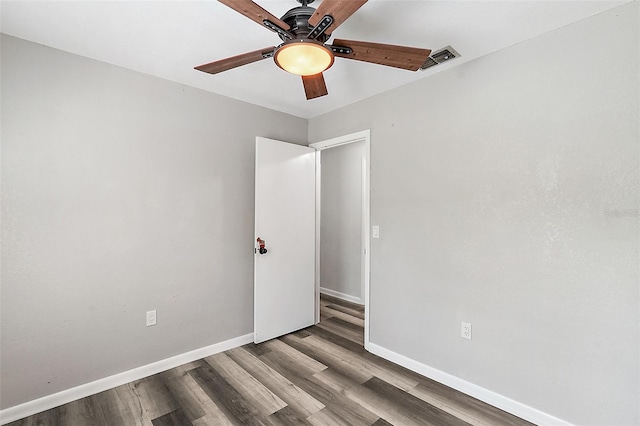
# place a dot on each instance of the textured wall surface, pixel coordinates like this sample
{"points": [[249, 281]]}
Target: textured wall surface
{"points": [[121, 193], [507, 193], [341, 219]]}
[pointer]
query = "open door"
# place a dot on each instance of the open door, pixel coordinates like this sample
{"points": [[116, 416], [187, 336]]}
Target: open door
{"points": [[284, 262]]}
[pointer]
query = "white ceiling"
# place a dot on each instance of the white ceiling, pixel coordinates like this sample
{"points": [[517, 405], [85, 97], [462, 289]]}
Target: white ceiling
{"points": [[168, 38]]}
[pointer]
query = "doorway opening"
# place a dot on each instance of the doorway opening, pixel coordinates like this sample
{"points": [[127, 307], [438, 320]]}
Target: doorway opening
{"points": [[342, 227]]}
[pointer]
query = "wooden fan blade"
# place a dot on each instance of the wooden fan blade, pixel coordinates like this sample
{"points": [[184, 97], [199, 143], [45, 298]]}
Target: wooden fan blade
{"points": [[254, 12], [314, 86], [236, 61], [408, 58], [340, 10]]}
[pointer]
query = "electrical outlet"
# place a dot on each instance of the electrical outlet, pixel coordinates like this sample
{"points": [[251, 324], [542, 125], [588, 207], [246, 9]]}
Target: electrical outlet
{"points": [[151, 318], [465, 330]]}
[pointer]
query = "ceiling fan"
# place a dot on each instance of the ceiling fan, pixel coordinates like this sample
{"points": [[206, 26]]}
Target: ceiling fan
{"points": [[305, 52]]}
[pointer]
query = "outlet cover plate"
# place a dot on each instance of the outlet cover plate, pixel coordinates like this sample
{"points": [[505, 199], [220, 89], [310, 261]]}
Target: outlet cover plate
{"points": [[151, 318], [465, 330]]}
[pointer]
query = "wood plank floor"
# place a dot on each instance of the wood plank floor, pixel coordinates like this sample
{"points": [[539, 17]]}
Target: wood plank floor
{"points": [[317, 376]]}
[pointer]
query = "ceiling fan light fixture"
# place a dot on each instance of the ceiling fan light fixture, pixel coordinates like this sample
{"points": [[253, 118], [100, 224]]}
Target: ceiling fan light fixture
{"points": [[304, 57]]}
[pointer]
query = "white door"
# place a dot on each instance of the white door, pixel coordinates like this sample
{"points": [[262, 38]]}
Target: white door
{"points": [[284, 286]]}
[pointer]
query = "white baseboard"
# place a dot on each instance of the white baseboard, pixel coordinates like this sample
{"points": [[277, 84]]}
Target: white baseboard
{"points": [[342, 296], [502, 402], [50, 401]]}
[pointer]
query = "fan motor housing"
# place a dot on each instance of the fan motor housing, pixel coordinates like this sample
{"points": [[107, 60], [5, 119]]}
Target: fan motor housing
{"points": [[298, 20]]}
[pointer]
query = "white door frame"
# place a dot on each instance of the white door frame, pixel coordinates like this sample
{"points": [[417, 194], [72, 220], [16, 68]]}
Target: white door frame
{"points": [[363, 136]]}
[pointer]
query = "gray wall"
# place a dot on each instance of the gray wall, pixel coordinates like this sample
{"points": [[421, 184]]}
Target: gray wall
{"points": [[121, 193], [507, 194], [341, 219]]}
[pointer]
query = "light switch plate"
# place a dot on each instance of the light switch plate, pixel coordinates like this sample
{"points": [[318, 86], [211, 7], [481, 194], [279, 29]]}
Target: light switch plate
{"points": [[375, 231]]}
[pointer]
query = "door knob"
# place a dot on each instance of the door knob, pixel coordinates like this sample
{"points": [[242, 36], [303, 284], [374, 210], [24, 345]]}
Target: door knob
{"points": [[262, 249]]}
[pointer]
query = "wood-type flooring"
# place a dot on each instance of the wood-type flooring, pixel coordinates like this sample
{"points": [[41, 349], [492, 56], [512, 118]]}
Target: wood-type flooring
{"points": [[317, 376]]}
